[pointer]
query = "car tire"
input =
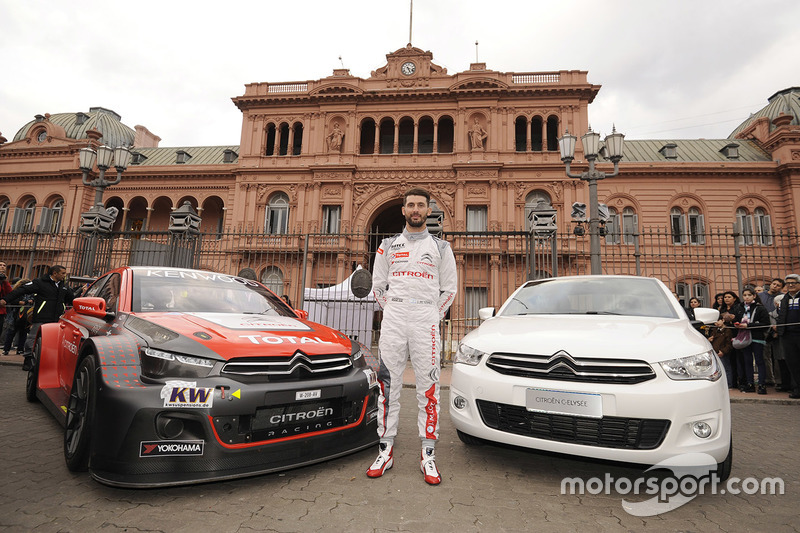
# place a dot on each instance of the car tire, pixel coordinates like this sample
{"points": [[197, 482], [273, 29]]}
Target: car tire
{"points": [[469, 440], [724, 468], [33, 374], [80, 413]]}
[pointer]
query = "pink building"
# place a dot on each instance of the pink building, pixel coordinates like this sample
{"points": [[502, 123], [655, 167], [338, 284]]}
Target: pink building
{"points": [[333, 156]]}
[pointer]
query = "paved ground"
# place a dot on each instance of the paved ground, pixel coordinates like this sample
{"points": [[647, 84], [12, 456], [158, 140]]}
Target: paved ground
{"points": [[484, 488]]}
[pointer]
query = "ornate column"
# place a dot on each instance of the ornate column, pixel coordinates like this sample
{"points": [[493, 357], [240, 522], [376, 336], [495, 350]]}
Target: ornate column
{"points": [[377, 148], [396, 144], [415, 148], [528, 126], [436, 137]]}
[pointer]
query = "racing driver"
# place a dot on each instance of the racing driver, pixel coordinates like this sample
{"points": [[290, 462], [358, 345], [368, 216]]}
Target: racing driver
{"points": [[414, 281]]}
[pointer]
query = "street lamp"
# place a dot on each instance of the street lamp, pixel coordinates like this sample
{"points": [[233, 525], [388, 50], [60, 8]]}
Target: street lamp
{"points": [[98, 221], [98, 218], [591, 148]]}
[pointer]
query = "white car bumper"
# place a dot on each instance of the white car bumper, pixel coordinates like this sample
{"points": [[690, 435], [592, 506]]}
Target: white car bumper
{"points": [[682, 403]]}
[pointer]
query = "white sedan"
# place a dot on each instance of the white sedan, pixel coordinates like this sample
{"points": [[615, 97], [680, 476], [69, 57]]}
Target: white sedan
{"points": [[605, 367]]}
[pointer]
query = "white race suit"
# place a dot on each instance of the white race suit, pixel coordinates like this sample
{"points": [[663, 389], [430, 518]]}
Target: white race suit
{"points": [[414, 281]]}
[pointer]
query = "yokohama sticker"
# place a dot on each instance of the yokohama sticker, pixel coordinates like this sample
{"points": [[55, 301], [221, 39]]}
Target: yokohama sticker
{"points": [[160, 448], [186, 394]]}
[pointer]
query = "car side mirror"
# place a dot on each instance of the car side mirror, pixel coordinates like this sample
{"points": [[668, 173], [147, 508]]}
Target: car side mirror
{"points": [[301, 313], [91, 306], [486, 313]]}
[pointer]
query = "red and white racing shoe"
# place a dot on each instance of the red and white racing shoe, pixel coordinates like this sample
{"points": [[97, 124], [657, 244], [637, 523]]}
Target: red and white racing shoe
{"points": [[428, 466], [383, 463]]}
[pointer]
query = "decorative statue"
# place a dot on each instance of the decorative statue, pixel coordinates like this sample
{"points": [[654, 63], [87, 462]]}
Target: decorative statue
{"points": [[477, 136], [334, 139]]}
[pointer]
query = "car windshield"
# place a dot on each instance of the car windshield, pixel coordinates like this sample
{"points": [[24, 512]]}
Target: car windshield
{"points": [[592, 296], [189, 291]]}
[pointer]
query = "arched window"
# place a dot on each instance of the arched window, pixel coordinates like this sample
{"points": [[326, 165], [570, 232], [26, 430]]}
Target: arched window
{"points": [[54, 215], [612, 226], [687, 228], [367, 139], [531, 201], [283, 145], [425, 136], [630, 225], [277, 217], [687, 290], [536, 134], [552, 133], [446, 135], [297, 139], [762, 226], [405, 134], [387, 136], [520, 137], [271, 132], [23, 218], [272, 277], [4, 205]]}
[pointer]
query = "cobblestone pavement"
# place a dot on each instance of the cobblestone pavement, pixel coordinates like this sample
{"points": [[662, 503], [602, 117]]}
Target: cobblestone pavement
{"points": [[484, 488]]}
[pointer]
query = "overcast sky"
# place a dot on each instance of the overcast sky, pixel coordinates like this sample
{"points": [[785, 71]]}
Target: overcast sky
{"points": [[668, 69]]}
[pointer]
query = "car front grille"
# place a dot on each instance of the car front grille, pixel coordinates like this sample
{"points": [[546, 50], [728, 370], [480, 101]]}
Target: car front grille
{"points": [[606, 432], [285, 366], [563, 367]]}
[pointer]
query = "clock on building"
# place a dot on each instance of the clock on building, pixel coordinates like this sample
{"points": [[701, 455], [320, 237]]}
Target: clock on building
{"points": [[408, 68]]}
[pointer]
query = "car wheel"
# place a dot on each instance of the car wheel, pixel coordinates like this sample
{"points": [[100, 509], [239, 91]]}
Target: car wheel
{"points": [[80, 411], [33, 374], [469, 440], [724, 468]]}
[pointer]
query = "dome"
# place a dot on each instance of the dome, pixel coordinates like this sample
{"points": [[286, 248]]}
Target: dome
{"points": [[106, 121], [785, 102]]}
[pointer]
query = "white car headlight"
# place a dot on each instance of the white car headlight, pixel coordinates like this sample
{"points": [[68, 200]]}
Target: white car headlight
{"points": [[700, 366], [468, 355]]}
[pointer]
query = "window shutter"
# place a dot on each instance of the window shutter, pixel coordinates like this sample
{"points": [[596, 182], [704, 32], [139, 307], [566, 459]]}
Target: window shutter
{"points": [[701, 230], [44, 221], [19, 220]]}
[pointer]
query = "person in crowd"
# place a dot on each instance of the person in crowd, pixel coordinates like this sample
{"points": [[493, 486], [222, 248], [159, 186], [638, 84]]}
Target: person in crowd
{"points": [[286, 299], [755, 319], [5, 288], [51, 298], [694, 303], [781, 370], [414, 282], [718, 301], [788, 323], [721, 340], [731, 312], [767, 298], [18, 319]]}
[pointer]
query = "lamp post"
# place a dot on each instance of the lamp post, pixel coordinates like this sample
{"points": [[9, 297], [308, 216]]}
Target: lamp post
{"points": [[98, 220], [591, 148]]}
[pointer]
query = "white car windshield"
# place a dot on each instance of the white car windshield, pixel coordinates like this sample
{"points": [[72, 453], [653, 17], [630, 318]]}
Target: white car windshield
{"points": [[592, 296], [165, 290]]}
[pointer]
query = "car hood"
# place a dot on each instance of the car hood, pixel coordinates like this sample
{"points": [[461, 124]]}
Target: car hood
{"points": [[229, 335], [610, 337]]}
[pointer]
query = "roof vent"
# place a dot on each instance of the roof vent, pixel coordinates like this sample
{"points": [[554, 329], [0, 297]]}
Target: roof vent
{"points": [[81, 118], [669, 150], [182, 156], [731, 151], [229, 156], [39, 118], [137, 158]]}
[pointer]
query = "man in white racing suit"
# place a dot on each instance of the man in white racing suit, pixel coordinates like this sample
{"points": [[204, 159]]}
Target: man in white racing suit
{"points": [[414, 281]]}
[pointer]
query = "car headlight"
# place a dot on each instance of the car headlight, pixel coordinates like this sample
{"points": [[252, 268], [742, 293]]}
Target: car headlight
{"points": [[160, 364], [357, 354], [468, 355], [700, 366]]}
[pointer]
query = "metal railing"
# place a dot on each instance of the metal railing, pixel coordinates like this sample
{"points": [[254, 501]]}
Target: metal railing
{"points": [[490, 264]]}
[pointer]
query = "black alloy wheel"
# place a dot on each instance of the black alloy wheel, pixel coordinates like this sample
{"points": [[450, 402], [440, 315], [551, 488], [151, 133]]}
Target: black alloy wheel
{"points": [[80, 412]]}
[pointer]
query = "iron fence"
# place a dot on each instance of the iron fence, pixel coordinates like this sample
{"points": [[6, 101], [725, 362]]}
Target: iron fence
{"points": [[311, 269]]}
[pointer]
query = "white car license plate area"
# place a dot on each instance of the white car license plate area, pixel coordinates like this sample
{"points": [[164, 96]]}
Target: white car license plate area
{"points": [[308, 394], [564, 403]]}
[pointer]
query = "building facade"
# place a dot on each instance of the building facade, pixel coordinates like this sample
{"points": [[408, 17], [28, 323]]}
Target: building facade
{"points": [[322, 165]]}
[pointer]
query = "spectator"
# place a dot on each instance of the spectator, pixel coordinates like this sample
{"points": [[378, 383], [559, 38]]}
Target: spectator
{"points": [[781, 370], [18, 321], [768, 300], [789, 331], [286, 299], [5, 288], [51, 299], [756, 320], [718, 301], [694, 303], [721, 340], [730, 313]]}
